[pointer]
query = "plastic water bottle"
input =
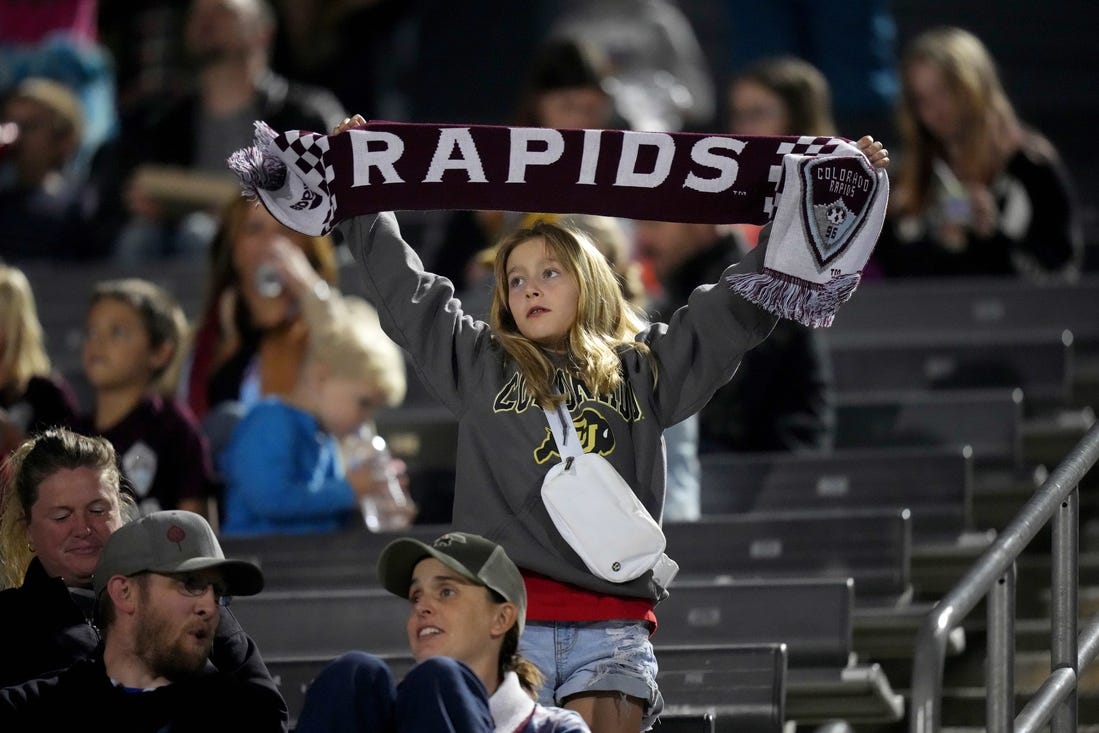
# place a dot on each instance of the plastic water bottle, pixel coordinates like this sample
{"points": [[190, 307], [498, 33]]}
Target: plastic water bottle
{"points": [[388, 511], [268, 282]]}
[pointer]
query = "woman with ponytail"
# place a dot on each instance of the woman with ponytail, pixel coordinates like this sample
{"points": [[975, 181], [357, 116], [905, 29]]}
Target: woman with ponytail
{"points": [[467, 610]]}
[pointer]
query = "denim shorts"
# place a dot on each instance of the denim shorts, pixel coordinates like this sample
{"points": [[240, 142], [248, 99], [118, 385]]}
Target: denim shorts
{"points": [[594, 656]]}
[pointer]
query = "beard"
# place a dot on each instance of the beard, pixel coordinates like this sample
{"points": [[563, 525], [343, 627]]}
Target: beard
{"points": [[171, 651]]}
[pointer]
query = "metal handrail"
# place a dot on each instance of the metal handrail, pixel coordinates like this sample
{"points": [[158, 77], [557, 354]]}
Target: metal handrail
{"points": [[993, 575]]}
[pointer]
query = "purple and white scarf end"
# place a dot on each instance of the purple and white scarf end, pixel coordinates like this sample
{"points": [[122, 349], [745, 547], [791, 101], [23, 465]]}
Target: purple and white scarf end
{"points": [[259, 167], [810, 304]]}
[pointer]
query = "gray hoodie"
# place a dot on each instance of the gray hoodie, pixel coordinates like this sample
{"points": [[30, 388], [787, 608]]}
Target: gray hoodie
{"points": [[505, 447]]}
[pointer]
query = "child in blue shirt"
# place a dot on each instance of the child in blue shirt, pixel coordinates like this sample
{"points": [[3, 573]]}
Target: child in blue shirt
{"points": [[283, 468]]}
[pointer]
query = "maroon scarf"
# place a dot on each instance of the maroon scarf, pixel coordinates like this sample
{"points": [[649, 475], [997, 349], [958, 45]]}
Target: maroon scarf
{"points": [[310, 182]]}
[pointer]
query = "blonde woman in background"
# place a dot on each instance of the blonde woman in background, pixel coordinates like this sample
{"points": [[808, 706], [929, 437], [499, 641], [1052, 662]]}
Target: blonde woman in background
{"points": [[977, 192], [32, 395]]}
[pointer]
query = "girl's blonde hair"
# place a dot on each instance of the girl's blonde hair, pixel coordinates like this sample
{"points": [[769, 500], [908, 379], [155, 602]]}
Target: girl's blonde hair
{"points": [[163, 319], [24, 470], [608, 236], [346, 336], [24, 351], [605, 322], [988, 122]]}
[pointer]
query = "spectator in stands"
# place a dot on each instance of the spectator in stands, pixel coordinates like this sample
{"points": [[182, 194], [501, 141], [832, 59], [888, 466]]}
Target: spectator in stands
{"points": [[32, 396], [159, 586], [779, 95], [659, 78], [134, 332], [780, 399], [283, 467], [978, 192], [467, 611], [44, 206], [251, 337], [568, 87], [57, 40], [172, 153], [861, 71], [61, 500]]}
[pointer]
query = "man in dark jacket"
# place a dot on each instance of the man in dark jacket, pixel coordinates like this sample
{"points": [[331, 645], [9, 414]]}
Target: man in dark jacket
{"points": [[780, 399], [158, 586], [52, 603], [56, 630], [171, 155]]}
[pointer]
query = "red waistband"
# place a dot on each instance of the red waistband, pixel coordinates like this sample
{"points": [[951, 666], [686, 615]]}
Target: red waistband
{"points": [[551, 600]]}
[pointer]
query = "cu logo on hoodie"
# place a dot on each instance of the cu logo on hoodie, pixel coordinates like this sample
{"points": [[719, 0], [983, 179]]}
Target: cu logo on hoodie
{"points": [[594, 433]]}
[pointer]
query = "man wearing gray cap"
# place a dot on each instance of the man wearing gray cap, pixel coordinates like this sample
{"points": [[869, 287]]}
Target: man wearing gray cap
{"points": [[158, 585], [468, 607]]}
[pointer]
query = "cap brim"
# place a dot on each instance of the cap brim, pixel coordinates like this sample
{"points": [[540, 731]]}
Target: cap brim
{"points": [[399, 559], [242, 578]]}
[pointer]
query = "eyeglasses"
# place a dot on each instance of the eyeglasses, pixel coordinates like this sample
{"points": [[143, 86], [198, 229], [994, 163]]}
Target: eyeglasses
{"points": [[194, 586]]}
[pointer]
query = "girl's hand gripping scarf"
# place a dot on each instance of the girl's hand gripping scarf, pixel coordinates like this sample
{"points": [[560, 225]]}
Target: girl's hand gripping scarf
{"points": [[826, 200]]}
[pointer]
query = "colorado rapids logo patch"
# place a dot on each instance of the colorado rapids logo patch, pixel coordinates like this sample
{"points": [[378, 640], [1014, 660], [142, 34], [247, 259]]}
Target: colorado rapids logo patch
{"points": [[838, 192]]}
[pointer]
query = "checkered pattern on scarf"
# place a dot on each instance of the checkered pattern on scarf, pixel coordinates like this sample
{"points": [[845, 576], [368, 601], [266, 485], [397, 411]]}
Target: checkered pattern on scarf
{"points": [[308, 149], [806, 145]]}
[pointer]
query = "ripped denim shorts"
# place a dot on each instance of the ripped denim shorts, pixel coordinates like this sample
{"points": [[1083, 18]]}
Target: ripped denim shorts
{"points": [[595, 656]]}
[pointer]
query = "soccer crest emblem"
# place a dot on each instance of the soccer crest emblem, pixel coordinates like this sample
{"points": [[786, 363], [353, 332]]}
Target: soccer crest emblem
{"points": [[838, 192]]}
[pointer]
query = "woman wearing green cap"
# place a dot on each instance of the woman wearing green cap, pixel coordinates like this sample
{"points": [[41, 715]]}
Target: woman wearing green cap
{"points": [[467, 610]]}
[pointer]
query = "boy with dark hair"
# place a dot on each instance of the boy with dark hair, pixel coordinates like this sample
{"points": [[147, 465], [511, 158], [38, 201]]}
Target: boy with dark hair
{"points": [[131, 357]]}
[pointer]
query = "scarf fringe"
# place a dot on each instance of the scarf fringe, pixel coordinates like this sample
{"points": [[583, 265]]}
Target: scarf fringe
{"points": [[258, 166], [811, 304]]}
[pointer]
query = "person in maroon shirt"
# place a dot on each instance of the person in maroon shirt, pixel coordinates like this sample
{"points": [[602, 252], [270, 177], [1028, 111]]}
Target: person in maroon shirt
{"points": [[131, 358]]}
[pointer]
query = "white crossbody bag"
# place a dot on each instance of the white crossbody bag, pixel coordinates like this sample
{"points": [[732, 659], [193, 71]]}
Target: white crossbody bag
{"points": [[598, 514]]}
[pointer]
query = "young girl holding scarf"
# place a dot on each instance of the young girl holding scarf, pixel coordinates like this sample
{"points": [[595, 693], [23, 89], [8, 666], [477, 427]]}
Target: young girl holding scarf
{"points": [[560, 333]]}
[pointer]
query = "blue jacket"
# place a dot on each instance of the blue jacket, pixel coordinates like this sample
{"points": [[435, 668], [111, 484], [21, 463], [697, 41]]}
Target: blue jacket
{"points": [[283, 474]]}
